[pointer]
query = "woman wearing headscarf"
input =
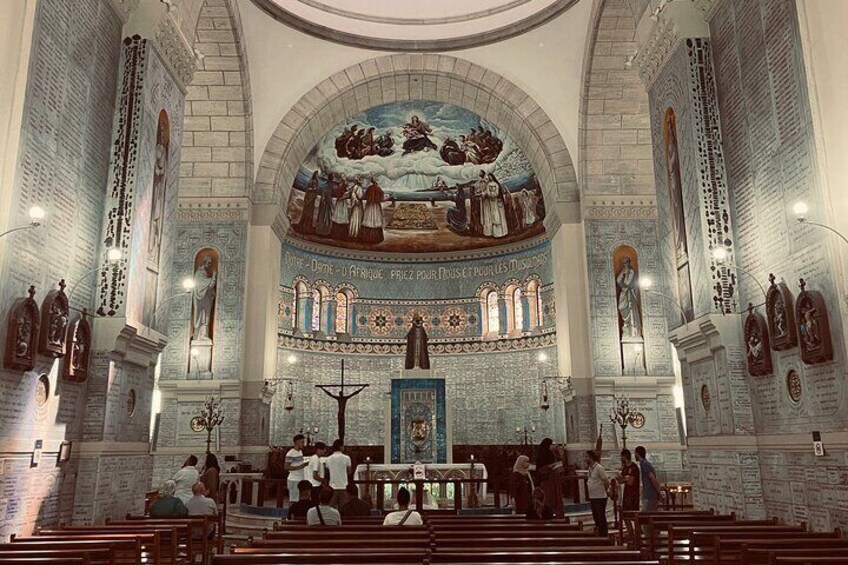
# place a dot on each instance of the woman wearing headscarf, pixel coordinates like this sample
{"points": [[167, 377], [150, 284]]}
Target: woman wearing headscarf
{"points": [[550, 469], [521, 485]]}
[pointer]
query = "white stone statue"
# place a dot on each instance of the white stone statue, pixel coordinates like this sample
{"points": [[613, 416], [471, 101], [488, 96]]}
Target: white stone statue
{"points": [[206, 280], [628, 300]]}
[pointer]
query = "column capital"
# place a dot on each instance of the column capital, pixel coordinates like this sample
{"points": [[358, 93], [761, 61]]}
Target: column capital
{"points": [[152, 19], [661, 29]]}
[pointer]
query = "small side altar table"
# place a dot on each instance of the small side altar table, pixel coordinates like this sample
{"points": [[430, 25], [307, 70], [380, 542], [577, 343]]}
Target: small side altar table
{"points": [[439, 482]]}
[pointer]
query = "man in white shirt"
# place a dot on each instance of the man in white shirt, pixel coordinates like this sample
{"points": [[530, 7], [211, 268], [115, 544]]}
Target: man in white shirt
{"points": [[338, 464], [199, 504], [185, 478], [598, 483], [295, 465], [315, 470], [403, 516], [323, 514]]}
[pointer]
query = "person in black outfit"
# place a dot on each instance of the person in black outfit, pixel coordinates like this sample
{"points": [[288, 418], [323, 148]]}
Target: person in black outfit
{"points": [[297, 511]]}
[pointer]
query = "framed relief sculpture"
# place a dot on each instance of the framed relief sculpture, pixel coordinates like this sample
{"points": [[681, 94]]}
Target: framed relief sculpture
{"points": [[780, 315], [757, 344], [813, 326], [78, 348], [54, 322], [22, 333]]}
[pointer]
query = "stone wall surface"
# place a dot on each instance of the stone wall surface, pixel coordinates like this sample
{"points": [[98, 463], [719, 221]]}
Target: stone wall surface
{"points": [[63, 166]]}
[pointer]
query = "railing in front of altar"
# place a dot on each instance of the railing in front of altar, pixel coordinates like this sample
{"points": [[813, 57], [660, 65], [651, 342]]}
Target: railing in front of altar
{"points": [[254, 490]]}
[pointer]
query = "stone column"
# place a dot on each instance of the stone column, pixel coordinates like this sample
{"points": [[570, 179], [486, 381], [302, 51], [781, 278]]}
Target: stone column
{"points": [[115, 466]]}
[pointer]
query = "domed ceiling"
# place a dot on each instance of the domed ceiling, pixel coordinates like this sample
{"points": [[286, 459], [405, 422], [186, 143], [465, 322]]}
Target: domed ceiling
{"points": [[416, 177], [414, 26]]}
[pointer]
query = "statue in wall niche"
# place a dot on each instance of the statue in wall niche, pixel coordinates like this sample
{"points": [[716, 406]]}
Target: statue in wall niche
{"points": [[22, 333], [628, 300], [416, 346], [54, 322], [813, 326], [205, 294], [780, 316], [78, 347], [757, 344]]}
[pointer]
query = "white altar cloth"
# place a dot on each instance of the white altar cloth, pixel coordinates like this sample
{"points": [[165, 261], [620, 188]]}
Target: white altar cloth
{"points": [[403, 471]]}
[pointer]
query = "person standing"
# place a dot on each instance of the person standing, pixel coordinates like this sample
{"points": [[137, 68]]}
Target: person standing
{"points": [[630, 478], [650, 484], [521, 485], [597, 483], [339, 465], [372, 223], [211, 476], [295, 465], [356, 209], [306, 224], [549, 466], [492, 210], [341, 211], [315, 470], [324, 223], [475, 194], [185, 479]]}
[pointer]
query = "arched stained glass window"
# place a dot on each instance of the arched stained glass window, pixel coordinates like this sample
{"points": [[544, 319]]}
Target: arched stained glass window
{"points": [[316, 310], [341, 312], [517, 310], [492, 313]]}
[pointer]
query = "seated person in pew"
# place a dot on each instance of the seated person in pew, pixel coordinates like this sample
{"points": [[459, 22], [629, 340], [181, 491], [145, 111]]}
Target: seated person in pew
{"points": [[200, 505], [324, 514], [355, 507], [404, 516], [298, 510], [168, 505]]}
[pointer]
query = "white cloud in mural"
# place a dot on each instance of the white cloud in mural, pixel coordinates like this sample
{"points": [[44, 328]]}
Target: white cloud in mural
{"points": [[418, 170]]}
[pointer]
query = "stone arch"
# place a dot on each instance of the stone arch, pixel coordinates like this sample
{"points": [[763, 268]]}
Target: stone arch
{"points": [[217, 151], [616, 153], [402, 77]]}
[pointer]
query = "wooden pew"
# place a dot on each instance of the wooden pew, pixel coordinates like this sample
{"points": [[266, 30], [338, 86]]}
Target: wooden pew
{"points": [[727, 547], [258, 556], [147, 543], [810, 560], [169, 538], [755, 555], [524, 555], [93, 556], [200, 527], [44, 561], [658, 528], [124, 550], [679, 538]]}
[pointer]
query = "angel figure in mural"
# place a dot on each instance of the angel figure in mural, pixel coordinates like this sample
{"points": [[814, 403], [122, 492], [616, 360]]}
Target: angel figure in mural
{"points": [[417, 134], [206, 281], [628, 300]]}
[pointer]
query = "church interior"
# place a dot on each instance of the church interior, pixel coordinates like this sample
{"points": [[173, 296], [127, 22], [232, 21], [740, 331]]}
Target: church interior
{"points": [[482, 252]]}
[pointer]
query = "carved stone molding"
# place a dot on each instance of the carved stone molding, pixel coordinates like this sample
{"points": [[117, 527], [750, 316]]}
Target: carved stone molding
{"points": [[223, 211], [123, 8], [620, 207], [176, 51], [656, 51]]}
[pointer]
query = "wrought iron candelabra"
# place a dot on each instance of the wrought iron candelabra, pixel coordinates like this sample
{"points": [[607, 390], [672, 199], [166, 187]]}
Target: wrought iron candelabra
{"points": [[525, 434], [211, 416], [623, 415]]}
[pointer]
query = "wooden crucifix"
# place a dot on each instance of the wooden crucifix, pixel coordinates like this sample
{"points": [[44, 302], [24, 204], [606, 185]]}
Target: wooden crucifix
{"points": [[342, 398]]}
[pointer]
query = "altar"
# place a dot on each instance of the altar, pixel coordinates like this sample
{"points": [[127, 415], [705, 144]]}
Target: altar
{"points": [[438, 494], [418, 423]]}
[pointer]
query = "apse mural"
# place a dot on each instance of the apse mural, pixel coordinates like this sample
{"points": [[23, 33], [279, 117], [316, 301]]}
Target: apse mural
{"points": [[416, 176]]}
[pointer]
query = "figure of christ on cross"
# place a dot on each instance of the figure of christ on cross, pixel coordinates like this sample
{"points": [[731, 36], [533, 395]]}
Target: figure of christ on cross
{"points": [[342, 398]]}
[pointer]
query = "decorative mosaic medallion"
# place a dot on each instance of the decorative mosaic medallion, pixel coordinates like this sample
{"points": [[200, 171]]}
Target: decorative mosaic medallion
{"points": [[706, 398], [42, 391], [198, 424], [638, 420], [131, 402], [380, 321], [454, 320], [793, 385]]}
